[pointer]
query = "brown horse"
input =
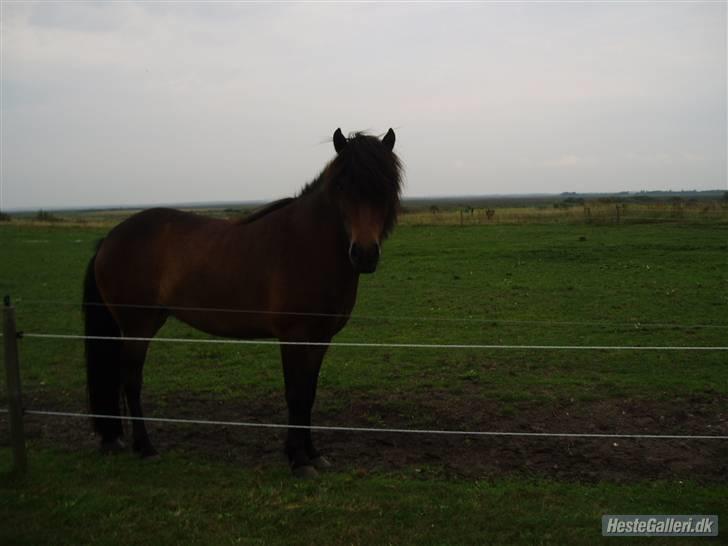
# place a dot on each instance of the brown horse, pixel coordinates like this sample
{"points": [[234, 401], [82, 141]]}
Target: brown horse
{"points": [[292, 270]]}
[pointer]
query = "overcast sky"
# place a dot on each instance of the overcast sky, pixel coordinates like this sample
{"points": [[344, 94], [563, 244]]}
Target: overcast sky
{"points": [[142, 103]]}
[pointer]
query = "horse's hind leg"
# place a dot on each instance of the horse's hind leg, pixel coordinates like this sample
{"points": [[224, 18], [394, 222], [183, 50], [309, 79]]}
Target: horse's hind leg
{"points": [[133, 354]]}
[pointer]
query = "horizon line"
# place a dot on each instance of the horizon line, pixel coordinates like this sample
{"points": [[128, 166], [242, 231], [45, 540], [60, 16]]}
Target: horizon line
{"points": [[200, 204]]}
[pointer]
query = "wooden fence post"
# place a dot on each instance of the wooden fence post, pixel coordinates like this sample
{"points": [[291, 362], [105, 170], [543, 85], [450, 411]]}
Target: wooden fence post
{"points": [[15, 398]]}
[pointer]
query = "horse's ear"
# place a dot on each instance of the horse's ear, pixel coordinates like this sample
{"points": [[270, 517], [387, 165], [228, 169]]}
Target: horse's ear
{"points": [[339, 141], [388, 139]]}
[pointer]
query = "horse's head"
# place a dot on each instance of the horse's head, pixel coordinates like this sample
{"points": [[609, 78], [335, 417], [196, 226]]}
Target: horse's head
{"points": [[365, 181]]}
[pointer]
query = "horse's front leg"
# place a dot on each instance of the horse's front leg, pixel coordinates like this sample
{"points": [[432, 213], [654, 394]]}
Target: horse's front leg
{"points": [[301, 365]]}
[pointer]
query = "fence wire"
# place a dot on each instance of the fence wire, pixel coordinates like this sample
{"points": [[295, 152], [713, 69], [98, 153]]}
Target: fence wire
{"points": [[383, 345], [376, 429], [382, 430], [637, 324]]}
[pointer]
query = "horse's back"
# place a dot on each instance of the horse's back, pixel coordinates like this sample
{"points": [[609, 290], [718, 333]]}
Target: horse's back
{"points": [[146, 234], [141, 255], [150, 221]]}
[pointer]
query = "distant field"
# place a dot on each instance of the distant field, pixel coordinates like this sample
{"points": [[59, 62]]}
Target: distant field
{"points": [[590, 213], [691, 207], [545, 280]]}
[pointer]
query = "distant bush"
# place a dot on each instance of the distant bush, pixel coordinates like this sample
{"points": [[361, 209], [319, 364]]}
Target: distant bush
{"points": [[5, 217], [45, 216]]}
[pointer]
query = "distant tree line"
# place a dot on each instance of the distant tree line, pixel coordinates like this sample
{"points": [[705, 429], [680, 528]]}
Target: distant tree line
{"points": [[45, 216]]}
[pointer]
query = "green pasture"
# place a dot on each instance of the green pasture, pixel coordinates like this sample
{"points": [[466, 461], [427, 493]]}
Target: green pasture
{"points": [[638, 284], [649, 285], [84, 499]]}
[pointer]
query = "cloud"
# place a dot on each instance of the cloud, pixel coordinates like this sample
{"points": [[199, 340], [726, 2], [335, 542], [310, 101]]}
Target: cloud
{"points": [[119, 102], [564, 161], [84, 17]]}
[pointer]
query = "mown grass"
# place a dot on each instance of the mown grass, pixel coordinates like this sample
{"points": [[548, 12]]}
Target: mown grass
{"points": [[84, 499]]}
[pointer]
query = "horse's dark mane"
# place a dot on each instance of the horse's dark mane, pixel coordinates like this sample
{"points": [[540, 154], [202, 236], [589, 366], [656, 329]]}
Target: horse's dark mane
{"points": [[312, 186], [365, 169], [373, 171], [262, 211]]}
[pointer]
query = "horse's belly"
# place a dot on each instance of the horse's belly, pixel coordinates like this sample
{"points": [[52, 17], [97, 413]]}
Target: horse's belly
{"points": [[220, 323]]}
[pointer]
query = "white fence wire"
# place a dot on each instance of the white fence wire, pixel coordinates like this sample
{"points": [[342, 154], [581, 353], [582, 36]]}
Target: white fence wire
{"points": [[385, 430], [632, 324], [376, 429], [386, 345]]}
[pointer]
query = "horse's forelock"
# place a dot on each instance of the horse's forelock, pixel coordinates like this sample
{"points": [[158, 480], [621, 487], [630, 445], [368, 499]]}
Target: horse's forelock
{"points": [[371, 173], [374, 172]]}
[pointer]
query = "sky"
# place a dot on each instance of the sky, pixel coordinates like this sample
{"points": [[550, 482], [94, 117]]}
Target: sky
{"points": [[125, 103]]}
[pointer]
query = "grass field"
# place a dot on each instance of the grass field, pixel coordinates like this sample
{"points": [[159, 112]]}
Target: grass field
{"points": [[557, 283]]}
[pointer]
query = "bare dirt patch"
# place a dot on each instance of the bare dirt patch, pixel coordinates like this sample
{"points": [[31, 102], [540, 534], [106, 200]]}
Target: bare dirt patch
{"points": [[426, 454]]}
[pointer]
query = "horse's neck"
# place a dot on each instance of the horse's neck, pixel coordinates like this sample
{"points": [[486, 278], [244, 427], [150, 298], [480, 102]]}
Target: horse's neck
{"points": [[318, 224], [322, 219]]}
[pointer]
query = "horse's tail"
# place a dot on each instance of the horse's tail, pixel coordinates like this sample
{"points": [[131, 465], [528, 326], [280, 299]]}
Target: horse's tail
{"points": [[103, 364]]}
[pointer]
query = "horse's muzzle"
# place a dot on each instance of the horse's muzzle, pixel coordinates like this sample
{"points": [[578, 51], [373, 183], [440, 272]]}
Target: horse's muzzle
{"points": [[364, 258]]}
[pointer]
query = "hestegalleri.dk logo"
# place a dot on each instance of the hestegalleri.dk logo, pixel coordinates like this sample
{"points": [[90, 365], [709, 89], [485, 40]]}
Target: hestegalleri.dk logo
{"points": [[635, 525]]}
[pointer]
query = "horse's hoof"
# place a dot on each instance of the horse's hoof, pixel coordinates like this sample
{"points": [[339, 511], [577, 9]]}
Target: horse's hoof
{"points": [[112, 447], [306, 472], [321, 463]]}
